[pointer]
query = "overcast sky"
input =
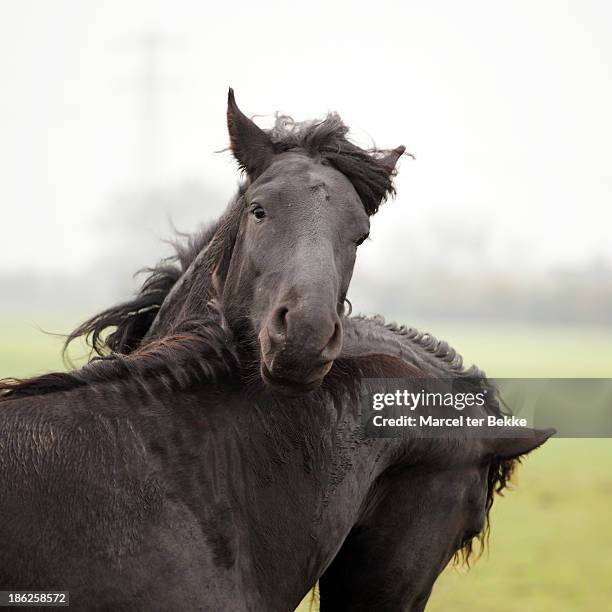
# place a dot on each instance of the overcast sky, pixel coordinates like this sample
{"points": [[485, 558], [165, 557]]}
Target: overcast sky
{"points": [[507, 107]]}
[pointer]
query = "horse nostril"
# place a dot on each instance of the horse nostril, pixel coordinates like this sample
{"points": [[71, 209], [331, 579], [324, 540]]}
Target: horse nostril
{"points": [[334, 344], [277, 327], [336, 335]]}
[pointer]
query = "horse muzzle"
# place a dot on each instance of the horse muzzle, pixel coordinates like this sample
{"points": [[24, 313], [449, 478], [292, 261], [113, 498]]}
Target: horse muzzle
{"points": [[298, 349]]}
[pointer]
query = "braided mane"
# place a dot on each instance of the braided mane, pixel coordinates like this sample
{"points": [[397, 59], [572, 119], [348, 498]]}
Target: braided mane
{"points": [[437, 348]]}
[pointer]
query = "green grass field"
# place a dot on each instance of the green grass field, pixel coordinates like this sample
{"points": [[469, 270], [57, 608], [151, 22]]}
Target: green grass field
{"points": [[551, 542]]}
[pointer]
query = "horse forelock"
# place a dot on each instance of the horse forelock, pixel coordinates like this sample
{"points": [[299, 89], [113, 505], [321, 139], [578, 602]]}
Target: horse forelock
{"points": [[326, 140], [498, 479]]}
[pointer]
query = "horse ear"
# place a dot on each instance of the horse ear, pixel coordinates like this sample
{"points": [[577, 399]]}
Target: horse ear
{"points": [[389, 159], [512, 442], [250, 145]]}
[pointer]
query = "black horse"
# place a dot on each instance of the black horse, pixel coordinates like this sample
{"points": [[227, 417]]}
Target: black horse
{"points": [[179, 476]]}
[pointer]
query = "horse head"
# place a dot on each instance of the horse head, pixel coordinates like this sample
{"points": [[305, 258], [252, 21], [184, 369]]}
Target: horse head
{"points": [[291, 238]]}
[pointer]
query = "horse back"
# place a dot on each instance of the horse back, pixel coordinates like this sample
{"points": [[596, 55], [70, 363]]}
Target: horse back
{"points": [[84, 508]]}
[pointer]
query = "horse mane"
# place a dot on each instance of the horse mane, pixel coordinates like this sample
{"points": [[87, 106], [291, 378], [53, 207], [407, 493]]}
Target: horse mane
{"points": [[131, 320], [327, 141], [200, 351], [440, 349], [499, 477]]}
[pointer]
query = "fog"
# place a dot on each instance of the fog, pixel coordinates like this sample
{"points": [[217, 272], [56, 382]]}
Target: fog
{"points": [[111, 115]]}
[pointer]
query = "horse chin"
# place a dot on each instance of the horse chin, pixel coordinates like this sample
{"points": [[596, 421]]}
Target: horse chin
{"points": [[286, 387]]}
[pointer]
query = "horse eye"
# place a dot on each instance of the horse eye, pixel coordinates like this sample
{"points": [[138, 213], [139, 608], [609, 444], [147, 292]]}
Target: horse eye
{"points": [[362, 239], [258, 212]]}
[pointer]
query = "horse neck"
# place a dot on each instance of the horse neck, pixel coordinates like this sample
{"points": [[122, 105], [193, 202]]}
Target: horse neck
{"points": [[304, 474], [188, 299], [278, 483]]}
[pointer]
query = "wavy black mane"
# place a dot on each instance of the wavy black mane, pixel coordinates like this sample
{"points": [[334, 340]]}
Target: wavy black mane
{"points": [[200, 351], [121, 328]]}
